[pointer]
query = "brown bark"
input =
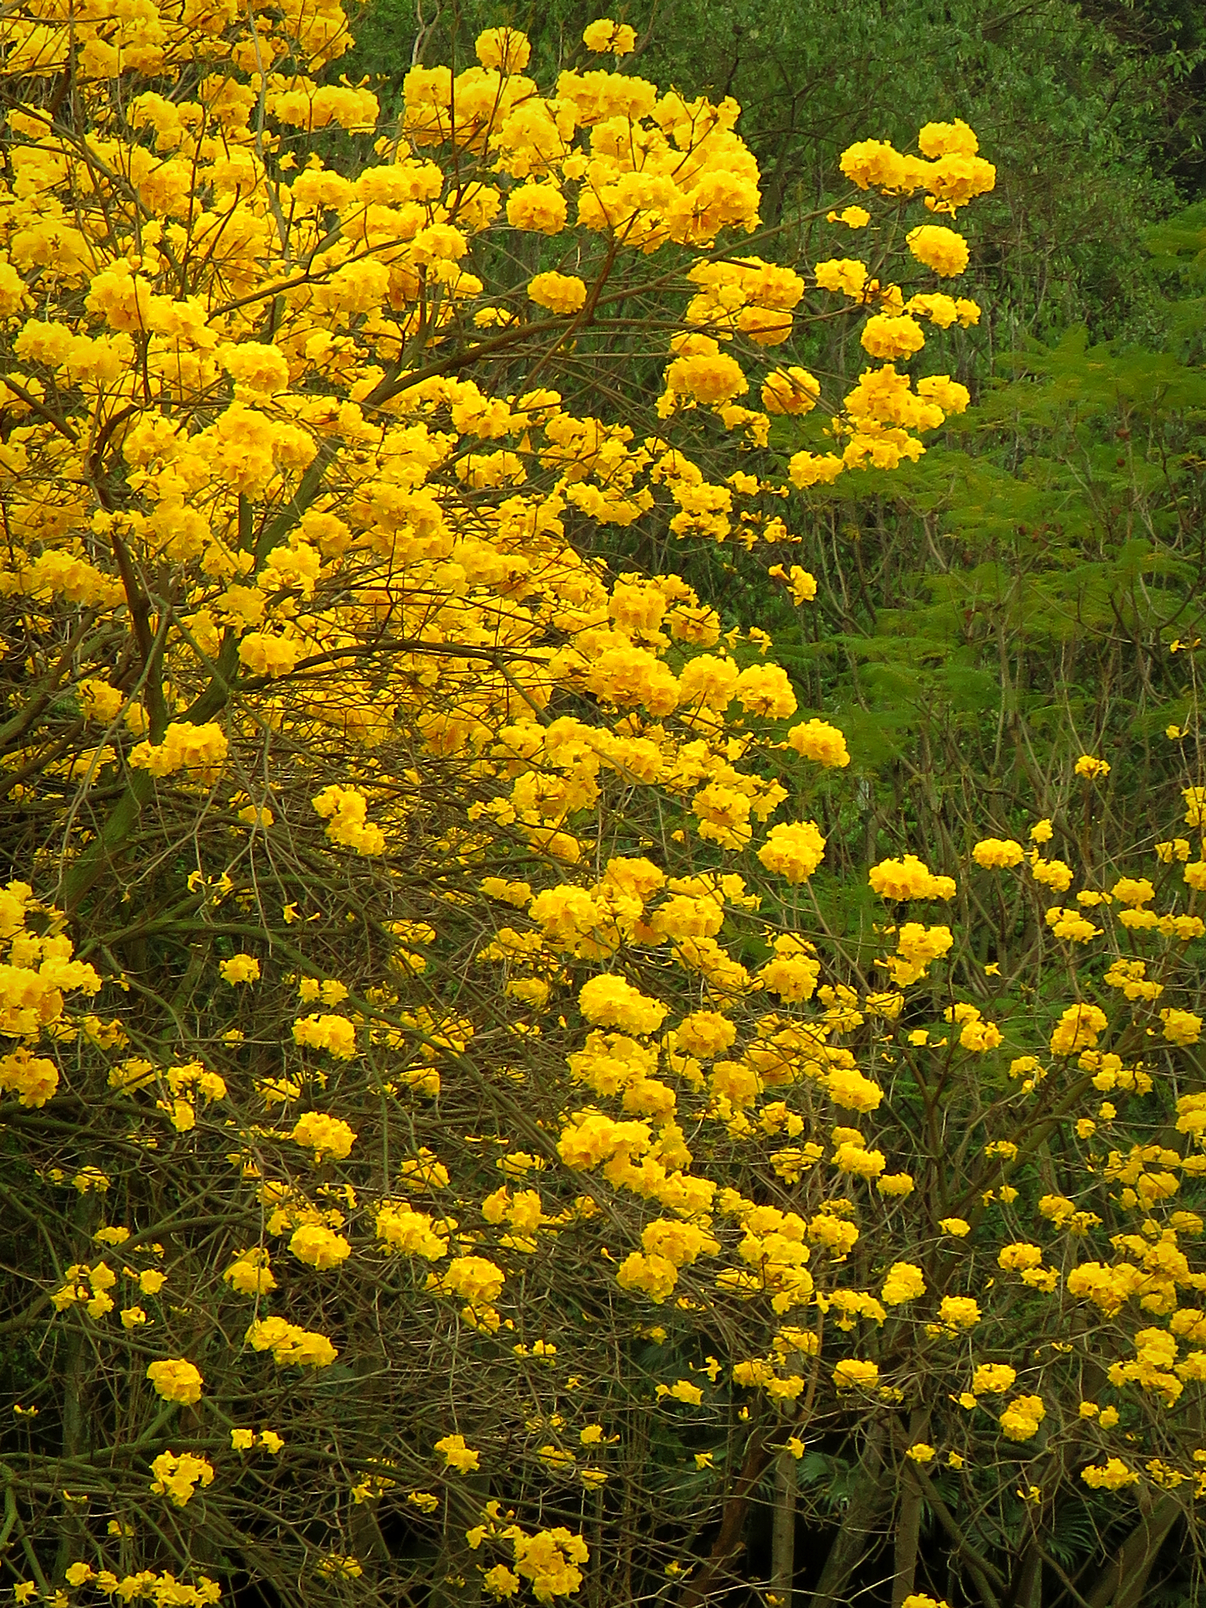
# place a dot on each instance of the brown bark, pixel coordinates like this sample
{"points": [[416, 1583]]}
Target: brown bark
{"points": [[731, 1536]]}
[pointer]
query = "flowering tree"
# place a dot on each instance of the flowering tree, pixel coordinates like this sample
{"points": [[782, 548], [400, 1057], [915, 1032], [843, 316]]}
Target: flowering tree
{"points": [[446, 1154]]}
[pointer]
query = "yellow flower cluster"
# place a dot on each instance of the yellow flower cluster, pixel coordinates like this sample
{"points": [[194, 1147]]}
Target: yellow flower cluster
{"points": [[164, 1590], [35, 976], [793, 851], [413, 1233], [291, 1345], [319, 1247], [200, 750], [176, 1380], [325, 1135], [853, 1374], [903, 1282], [1112, 1475], [177, 1475], [909, 878], [457, 1455], [1021, 1419], [240, 969], [335, 1034], [611, 1001], [478, 1282], [818, 740], [993, 853], [949, 169], [250, 1273], [345, 809]]}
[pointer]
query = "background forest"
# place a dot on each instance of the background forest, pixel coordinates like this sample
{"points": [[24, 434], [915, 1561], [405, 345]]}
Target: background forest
{"points": [[526, 1173]]}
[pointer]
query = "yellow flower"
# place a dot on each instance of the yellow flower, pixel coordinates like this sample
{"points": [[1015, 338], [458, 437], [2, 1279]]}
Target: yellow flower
{"points": [[853, 1373], [904, 1282], [1092, 769], [501, 1581], [1181, 1027], [993, 853], [345, 810], [176, 1380], [1112, 1475], [802, 584], [291, 1344], [1021, 1419], [682, 1390], [790, 390], [605, 36], [1019, 1256], [1078, 1029], [814, 469], [335, 1034], [559, 293], [198, 749], [340, 1565], [909, 879], [457, 1455], [886, 337], [793, 851], [954, 1225], [325, 1135], [940, 249], [819, 741], [946, 139], [845, 274], [319, 1247], [250, 1274], [240, 969], [959, 1312], [611, 1001], [504, 48], [993, 1378], [178, 1474]]}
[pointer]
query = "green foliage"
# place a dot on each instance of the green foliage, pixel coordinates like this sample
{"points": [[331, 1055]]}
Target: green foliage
{"points": [[1178, 251], [1011, 603]]}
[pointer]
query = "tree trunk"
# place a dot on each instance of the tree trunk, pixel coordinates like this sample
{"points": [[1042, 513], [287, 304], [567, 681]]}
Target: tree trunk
{"points": [[908, 1516], [731, 1537], [783, 1535], [850, 1544], [908, 1534], [1124, 1580]]}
